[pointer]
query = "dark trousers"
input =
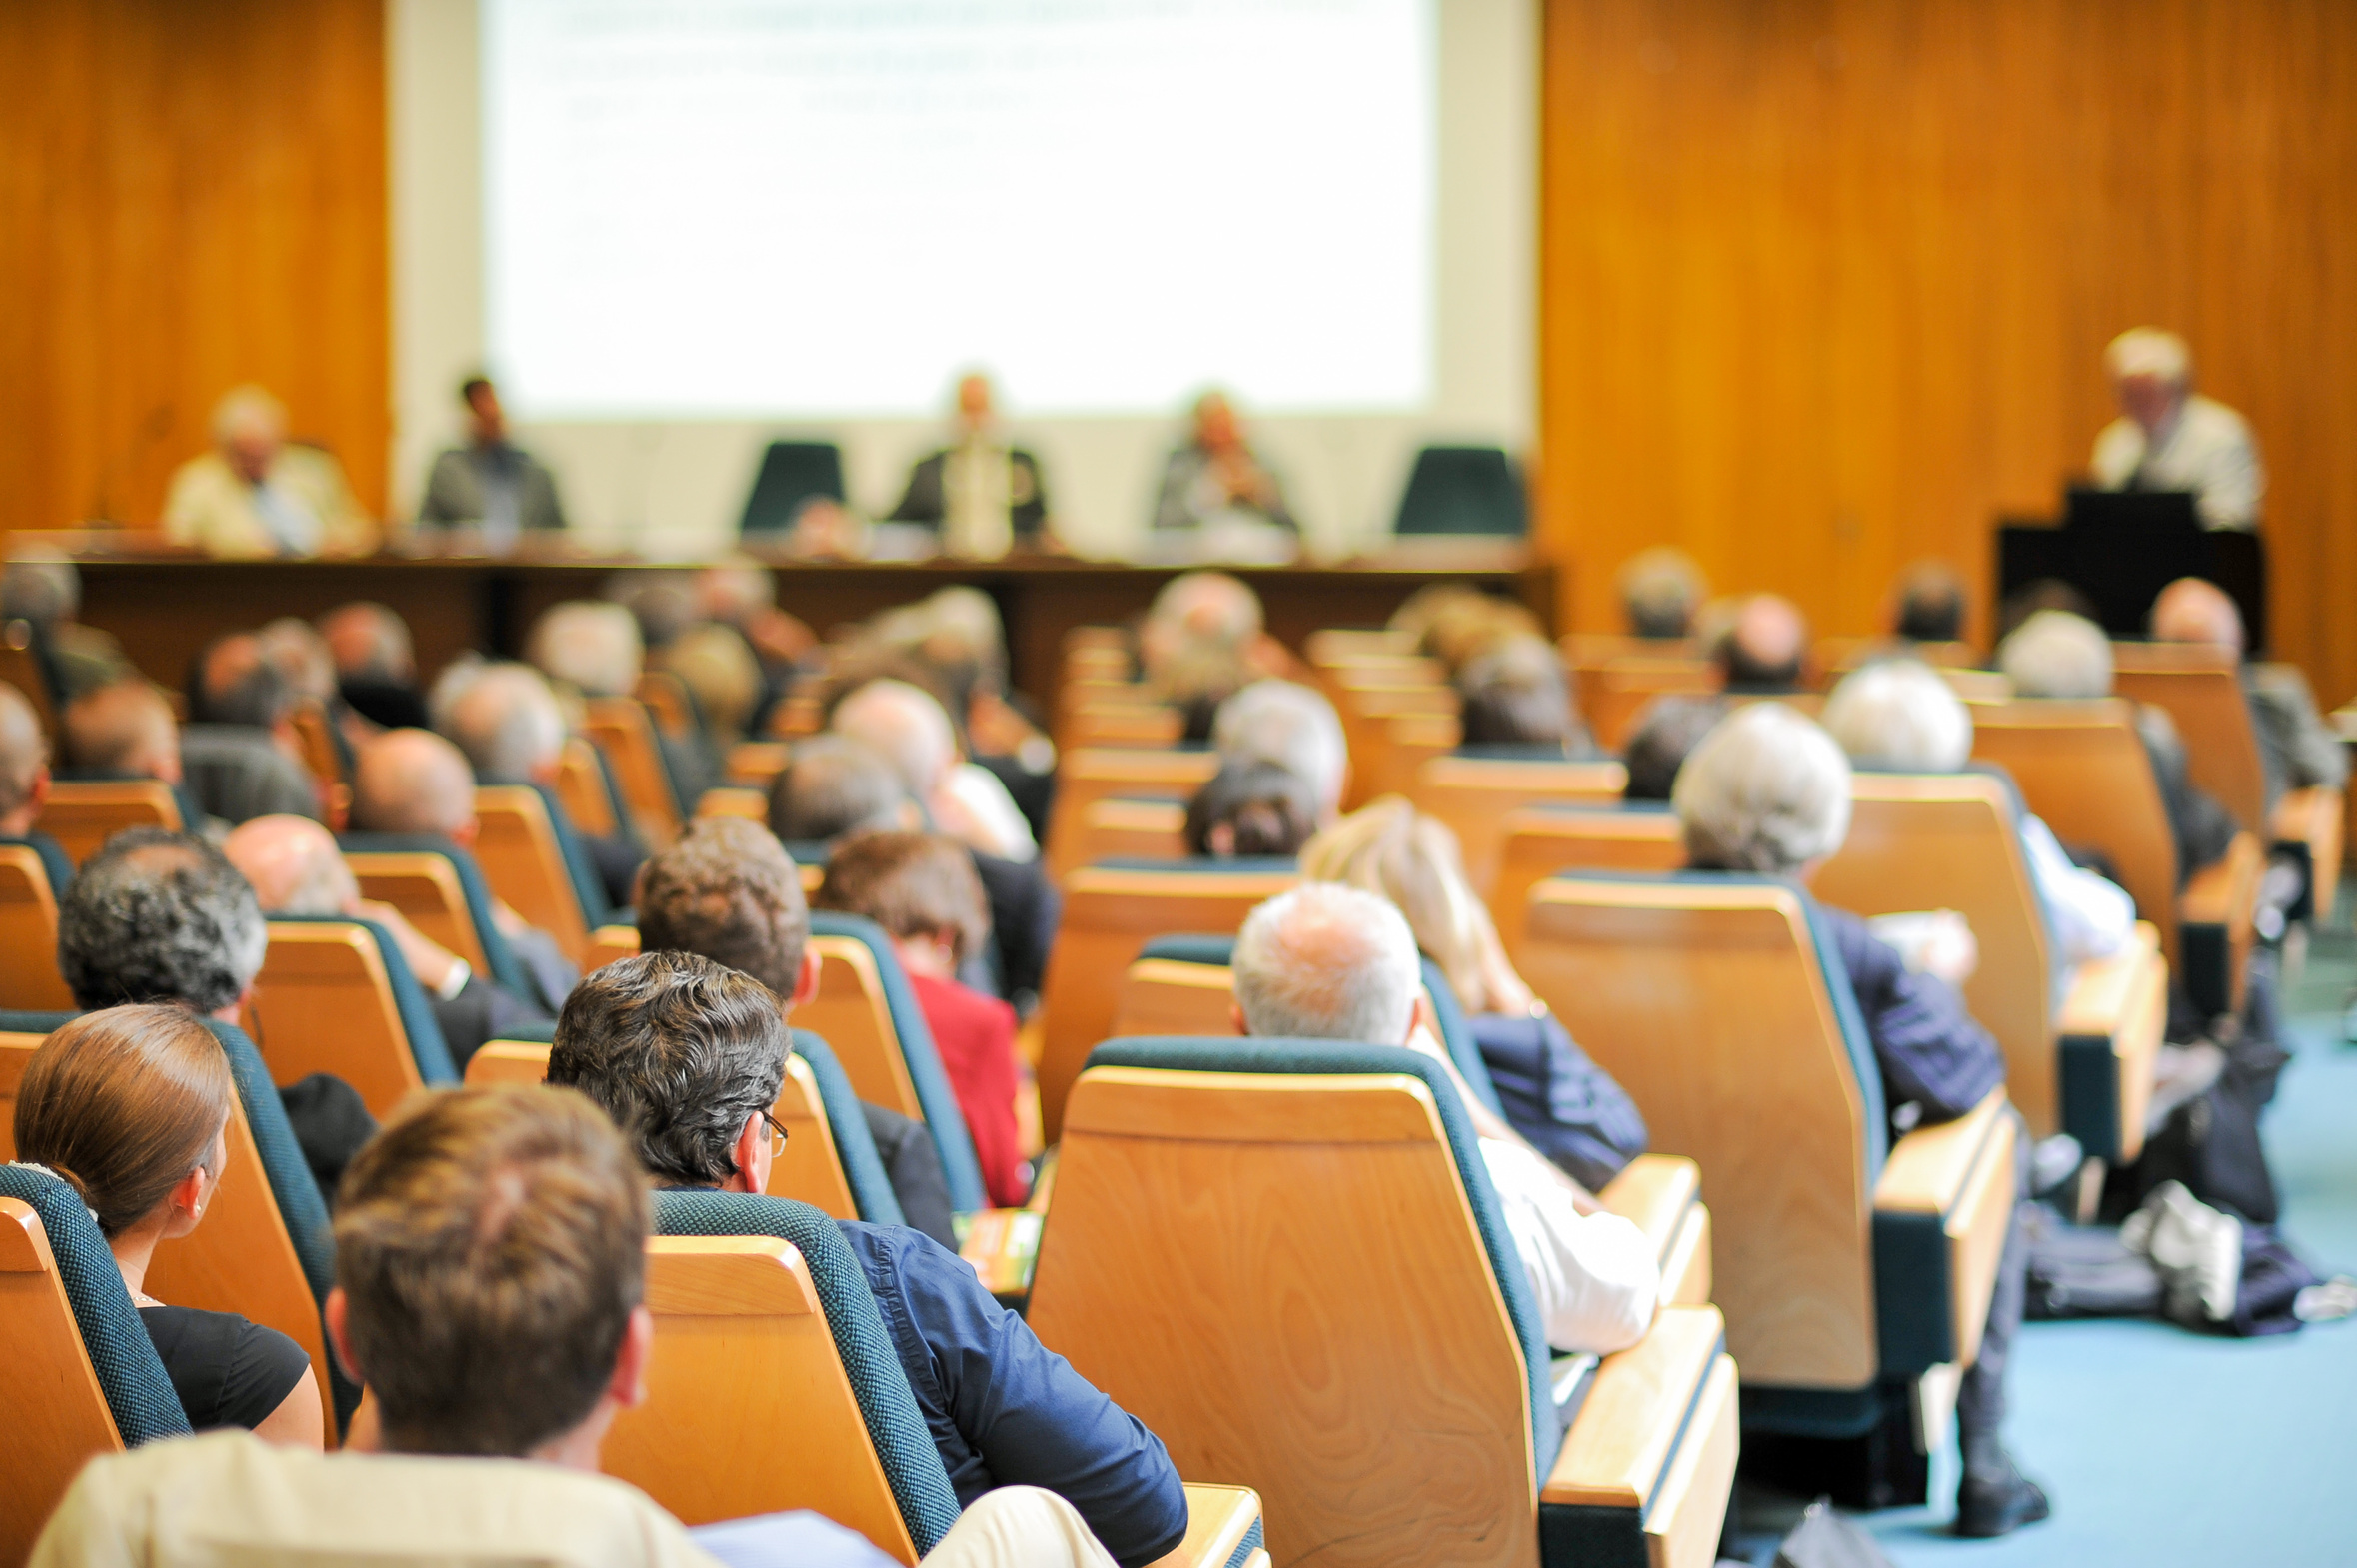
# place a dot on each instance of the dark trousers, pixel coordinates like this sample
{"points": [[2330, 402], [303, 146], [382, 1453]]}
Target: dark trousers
{"points": [[1981, 1400]]}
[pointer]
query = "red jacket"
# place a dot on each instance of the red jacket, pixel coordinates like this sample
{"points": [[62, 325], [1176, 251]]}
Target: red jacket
{"points": [[974, 1035]]}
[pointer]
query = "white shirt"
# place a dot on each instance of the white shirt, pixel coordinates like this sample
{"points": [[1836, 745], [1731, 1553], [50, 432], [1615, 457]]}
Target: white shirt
{"points": [[1594, 1276], [2206, 449], [2089, 916], [993, 822]]}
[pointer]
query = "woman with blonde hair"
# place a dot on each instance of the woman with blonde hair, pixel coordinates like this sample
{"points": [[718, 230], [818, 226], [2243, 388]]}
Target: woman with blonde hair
{"points": [[1566, 1106]]}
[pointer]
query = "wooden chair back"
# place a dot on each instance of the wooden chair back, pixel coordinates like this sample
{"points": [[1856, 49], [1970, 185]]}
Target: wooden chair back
{"points": [[239, 1260], [1339, 644], [324, 1003], [1541, 843], [19, 666], [1585, 651], [620, 727], [29, 981], [796, 714], [1838, 655], [1369, 713], [608, 943], [51, 1406], [425, 888], [1200, 1219], [851, 1016], [665, 696], [581, 788], [522, 1063], [320, 756], [2201, 691], [1164, 998], [82, 816], [1099, 723], [1614, 696], [2082, 769], [1108, 916], [525, 866], [1114, 829], [756, 764], [735, 801], [1475, 795], [1084, 776], [748, 1408], [1947, 842], [1705, 1000]]}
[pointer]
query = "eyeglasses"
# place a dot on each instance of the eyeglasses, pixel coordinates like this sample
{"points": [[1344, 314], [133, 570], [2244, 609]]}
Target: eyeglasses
{"points": [[777, 1136]]}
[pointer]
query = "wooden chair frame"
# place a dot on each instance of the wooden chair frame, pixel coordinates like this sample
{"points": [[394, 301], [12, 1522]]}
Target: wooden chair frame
{"points": [[51, 1405], [29, 979], [324, 1003], [516, 845], [425, 888], [81, 815], [1475, 795], [1091, 774]]}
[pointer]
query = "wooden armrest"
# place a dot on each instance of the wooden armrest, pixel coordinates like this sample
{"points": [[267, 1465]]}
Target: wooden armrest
{"points": [[2102, 990], [2225, 889], [1961, 1172], [2122, 1004], [2301, 814], [1217, 1520], [1628, 1425], [1932, 1169], [1003, 1246], [1663, 1195]]}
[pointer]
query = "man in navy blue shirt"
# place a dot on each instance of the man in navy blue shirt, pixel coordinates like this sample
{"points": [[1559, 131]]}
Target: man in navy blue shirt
{"points": [[687, 1057]]}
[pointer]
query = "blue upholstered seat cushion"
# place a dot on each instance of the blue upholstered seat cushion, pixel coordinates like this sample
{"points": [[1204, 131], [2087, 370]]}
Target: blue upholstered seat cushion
{"points": [[961, 1170], [855, 1148], [53, 861], [1334, 1057], [497, 956], [903, 1445], [130, 1374], [299, 1204], [427, 1047]]}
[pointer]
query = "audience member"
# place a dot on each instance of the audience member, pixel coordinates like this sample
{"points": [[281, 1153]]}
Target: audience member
{"points": [[726, 891], [126, 730], [1899, 714], [1768, 791], [507, 721], [689, 1057], [24, 785], [1333, 962], [596, 649], [1288, 726], [1765, 648], [164, 918], [1465, 626], [2055, 654], [1195, 608], [490, 484], [910, 728], [1929, 604], [2296, 751], [923, 890], [376, 666], [239, 753], [1518, 694], [255, 494], [296, 869], [980, 494], [490, 1261], [1666, 735], [413, 782], [2168, 437], [1555, 1098], [1248, 811], [43, 587], [831, 785], [1661, 589], [1216, 478], [130, 1107]]}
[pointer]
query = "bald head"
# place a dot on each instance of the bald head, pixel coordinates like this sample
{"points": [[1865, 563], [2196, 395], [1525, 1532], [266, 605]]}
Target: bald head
{"points": [[904, 726], [507, 723], [24, 762], [413, 782], [294, 866], [1765, 647], [369, 642], [126, 728], [2193, 611]]}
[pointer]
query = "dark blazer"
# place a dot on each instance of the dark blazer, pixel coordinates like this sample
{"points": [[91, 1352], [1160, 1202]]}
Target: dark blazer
{"points": [[455, 486], [1937, 1064], [1025, 912], [924, 500]]}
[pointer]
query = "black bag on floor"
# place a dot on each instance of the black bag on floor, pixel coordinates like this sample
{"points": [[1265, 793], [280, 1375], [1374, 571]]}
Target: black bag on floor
{"points": [[2211, 1142], [2084, 1271]]}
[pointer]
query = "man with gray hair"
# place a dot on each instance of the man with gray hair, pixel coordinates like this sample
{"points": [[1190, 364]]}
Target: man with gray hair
{"points": [[1768, 791], [831, 787], [907, 727], [1289, 727], [1661, 589], [2168, 437], [1326, 961]]}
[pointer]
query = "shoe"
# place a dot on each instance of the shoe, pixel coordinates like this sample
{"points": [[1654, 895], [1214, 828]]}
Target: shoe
{"points": [[1997, 1502], [2198, 1250]]}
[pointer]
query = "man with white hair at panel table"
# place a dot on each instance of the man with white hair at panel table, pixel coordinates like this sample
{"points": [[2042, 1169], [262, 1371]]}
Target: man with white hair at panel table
{"points": [[257, 494], [1291, 727], [1326, 961], [2169, 437]]}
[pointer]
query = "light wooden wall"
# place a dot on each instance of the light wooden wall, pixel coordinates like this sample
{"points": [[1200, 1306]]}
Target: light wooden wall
{"points": [[1825, 282], [192, 195]]}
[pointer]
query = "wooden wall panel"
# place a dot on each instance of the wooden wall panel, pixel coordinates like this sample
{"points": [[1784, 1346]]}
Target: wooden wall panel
{"points": [[1825, 283], [192, 195]]}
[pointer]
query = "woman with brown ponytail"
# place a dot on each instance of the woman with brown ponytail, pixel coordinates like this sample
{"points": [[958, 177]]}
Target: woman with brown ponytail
{"points": [[130, 1107]]}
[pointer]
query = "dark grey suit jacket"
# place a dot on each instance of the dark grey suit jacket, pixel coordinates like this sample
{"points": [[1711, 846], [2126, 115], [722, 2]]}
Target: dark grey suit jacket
{"points": [[454, 490]]}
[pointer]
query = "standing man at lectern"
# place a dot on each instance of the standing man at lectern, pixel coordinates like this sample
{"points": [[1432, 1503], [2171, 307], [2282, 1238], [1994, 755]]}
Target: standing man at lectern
{"points": [[2169, 437], [490, 484], [982, 495]]}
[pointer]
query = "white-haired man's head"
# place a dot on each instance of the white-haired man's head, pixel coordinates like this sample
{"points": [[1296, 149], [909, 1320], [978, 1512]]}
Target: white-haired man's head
{"points": [[1767, 791], [1899, 713], [2151, 370], [590, 645], [249, 426], [1292, 726], [507, 721], [905, 725], [1328, 962], [2059, 654]]}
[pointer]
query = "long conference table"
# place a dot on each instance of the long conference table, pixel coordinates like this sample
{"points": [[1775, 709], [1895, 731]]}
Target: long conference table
{"points": [[164, 608]]}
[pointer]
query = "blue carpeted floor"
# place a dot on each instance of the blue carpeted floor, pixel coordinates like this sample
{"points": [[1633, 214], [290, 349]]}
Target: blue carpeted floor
{"points": [[2162, 1447]]}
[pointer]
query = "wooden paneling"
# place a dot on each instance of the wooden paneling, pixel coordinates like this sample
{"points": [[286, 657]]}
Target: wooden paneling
{"points": [[191, 196], [1826, 284]]}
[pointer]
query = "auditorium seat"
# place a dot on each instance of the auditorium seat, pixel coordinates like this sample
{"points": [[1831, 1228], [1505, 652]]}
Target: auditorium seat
{"points": [[1950, 841], [735, 801], [1340, 644], [756, 764], [321, 758], [582, 788], [1095, 773], [2081, 769], [1110, 912], [1475, 795], [1288, 1261], [1117, 830], [25, 665], [424, 886], [620, 727], [1097, 722], [1614, 696], [1368, 703], [1464, 490], [669, 703], [29, 980], [83, 815], [1835, 656], [607, 944], [791, 473], [1546, 840], [1846, 1267], [521, 1064], [525, 865], [336, 997]]}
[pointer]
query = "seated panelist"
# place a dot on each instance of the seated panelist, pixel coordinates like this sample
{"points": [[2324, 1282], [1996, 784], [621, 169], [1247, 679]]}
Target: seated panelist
{"points": [[690, 1056], [1768, 791], [1336, 964], [2169, 437], [1216, 478], [490, 1283], [490, 484], [255, 494], [130, 1108], [981, 494]]}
